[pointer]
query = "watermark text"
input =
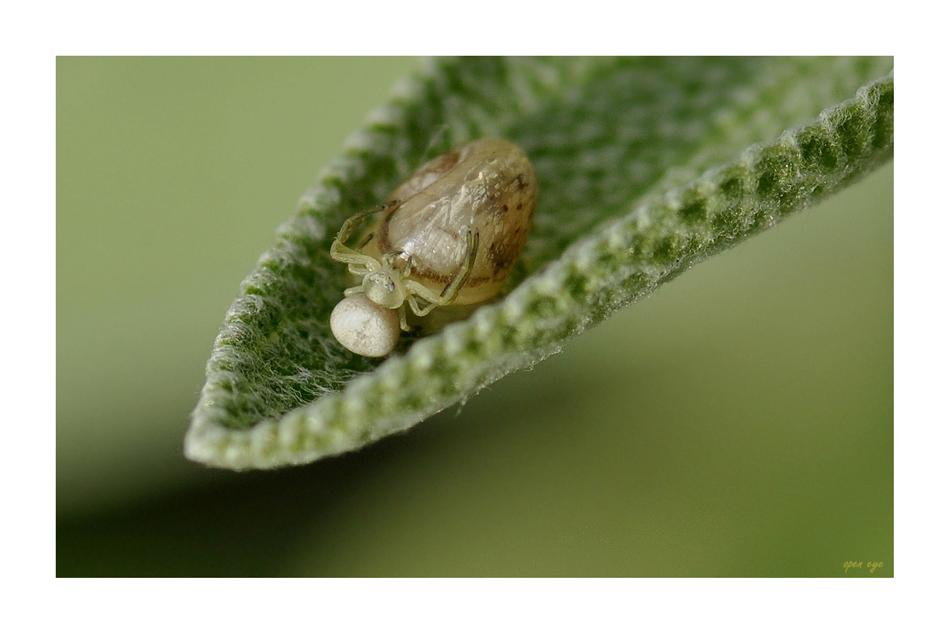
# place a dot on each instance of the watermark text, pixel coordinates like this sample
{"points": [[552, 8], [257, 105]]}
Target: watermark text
{"points": [[869, 566]]}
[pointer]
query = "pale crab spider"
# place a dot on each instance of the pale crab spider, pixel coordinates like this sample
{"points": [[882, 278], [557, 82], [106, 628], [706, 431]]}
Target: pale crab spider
{"points": [[450, 236], [385, 283]]}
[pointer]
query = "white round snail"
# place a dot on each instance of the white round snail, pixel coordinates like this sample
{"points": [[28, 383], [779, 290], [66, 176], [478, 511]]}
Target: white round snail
{"points": [[450, 236]]}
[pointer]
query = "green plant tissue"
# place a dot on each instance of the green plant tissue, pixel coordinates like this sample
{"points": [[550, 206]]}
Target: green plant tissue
{"points": [[646, 167]]}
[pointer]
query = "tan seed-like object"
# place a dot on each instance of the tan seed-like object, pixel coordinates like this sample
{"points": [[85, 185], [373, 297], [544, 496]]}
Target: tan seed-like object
{"points": [[450, 236]]}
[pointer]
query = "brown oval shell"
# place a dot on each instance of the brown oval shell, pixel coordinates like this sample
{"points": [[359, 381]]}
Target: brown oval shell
{"points": [[488, 185]]}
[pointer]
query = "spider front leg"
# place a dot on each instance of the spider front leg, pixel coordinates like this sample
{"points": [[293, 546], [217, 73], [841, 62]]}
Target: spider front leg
{"points": [[451, 290], [359, 264], [339, 248]]}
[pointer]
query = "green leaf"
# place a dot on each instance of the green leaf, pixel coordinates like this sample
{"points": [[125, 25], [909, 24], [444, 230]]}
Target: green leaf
{"points": [[646, 166]]}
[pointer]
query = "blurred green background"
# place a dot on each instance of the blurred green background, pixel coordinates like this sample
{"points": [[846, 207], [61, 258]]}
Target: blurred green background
{"points": [[737, 422]]}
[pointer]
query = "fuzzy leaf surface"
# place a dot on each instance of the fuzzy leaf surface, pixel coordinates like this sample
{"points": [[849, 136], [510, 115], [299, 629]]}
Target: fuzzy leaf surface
{"points": [[646, 167]]}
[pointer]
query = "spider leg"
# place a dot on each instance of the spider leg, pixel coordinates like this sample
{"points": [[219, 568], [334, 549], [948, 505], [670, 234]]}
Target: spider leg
{"points": [[417, 291], [402, 318], [359, 264], [342, 253], [451, 290]]}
